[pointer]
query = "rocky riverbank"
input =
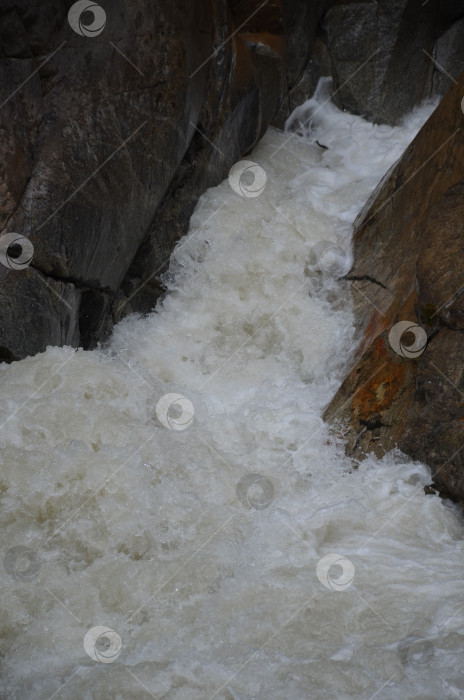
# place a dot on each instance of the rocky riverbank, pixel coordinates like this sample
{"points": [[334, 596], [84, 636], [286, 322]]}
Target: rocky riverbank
{"points": [[407, 387]]}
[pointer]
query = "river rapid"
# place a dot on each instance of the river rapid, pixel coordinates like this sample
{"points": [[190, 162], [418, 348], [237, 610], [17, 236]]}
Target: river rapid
{"points": [[177, 520]]}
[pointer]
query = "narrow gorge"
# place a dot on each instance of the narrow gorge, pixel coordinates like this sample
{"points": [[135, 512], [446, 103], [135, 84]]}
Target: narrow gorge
{"points": [[231, 324]]}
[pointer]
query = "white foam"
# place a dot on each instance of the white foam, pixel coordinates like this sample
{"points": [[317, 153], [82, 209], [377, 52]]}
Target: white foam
{"points": [[140, 528]]}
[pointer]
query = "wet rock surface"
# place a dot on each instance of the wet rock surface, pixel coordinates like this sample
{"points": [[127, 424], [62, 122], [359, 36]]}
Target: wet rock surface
{"points": [[108, 140], [384, 56], [380, 62], [408, 252]]}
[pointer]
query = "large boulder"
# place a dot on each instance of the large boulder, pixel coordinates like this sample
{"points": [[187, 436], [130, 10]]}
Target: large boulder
{"points": [[448, 57], [406, 388], [385, 56], [378, 60], [114, 121]]}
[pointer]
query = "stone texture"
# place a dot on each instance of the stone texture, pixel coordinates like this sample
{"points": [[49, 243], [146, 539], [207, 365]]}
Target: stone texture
{"points": [[109, 140], [449, 57], [381, 53], [408, 252], [384, 56]]}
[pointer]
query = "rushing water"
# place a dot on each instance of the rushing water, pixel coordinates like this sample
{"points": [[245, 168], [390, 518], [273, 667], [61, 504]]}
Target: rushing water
{"points": [[147, 522]]}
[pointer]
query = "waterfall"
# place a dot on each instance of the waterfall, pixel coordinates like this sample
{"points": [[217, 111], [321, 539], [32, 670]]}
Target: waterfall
{"points": [[177, 519]]}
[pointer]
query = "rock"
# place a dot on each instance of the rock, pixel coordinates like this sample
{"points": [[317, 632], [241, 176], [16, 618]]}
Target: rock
{"points": [[92, 173], [109, 139], [408, 251], [381, 53], [384, 56], [449, 57]]}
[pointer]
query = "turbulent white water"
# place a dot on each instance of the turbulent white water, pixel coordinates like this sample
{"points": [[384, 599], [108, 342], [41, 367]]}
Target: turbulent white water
{"points": [[207, 576]]}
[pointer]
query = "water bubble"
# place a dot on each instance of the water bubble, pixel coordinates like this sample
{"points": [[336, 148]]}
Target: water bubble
{"points": [[329, 577], [23, 563], [16, 251], [329, 257], [255, 491], [76, 18], [175, 411], [102, 644], [397, 339], [416, 652], [462, 105], [248, 179]]}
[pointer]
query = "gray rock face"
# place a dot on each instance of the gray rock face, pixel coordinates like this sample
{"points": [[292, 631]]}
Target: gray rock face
{"points": [[385, 56], [381, 54], [113, 124], [449, 57]]}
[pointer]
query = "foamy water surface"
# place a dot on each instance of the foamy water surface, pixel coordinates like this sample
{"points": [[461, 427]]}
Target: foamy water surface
{"points": [[207, 575]]}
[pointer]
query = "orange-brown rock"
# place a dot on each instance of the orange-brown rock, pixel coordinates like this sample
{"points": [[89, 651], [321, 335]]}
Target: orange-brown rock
{"points": [[408, 266]]}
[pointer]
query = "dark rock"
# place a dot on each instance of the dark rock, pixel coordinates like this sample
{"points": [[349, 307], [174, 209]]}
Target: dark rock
{"points": [[378, 66], [108, 141], [449, 57], [87, 171], [382, 54], [408, 251]]}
